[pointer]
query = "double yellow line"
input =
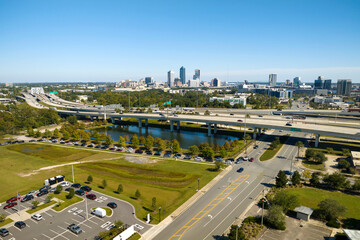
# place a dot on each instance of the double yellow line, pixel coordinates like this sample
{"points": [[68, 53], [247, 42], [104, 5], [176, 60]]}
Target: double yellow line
{"points": [[218, 199]]}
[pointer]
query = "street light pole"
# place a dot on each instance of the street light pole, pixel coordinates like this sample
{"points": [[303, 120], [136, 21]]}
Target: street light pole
{"points": [[198, 184], [159, 214], [262, 210], [86, 208], [245, 133], [72, 168]]}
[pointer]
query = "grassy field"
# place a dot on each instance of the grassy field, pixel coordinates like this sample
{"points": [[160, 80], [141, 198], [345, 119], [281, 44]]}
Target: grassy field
{"points": [[42, 206], [311, 197], [171, 182], [313, 165], [67, 202], [270, 153]]}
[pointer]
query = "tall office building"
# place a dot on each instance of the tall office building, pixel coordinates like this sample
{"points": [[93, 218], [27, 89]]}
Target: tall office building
{"points": [[322, 83], [272, 80], [344, 87], [149, 80], [197, 74], [327, 84], [297, 81], [171, 78], [216, 82], [182, 75]]}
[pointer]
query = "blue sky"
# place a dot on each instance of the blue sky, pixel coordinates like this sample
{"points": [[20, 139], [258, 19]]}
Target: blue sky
{"points": [[85, 40]]}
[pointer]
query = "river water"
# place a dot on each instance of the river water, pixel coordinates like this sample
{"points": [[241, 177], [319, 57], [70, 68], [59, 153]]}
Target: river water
{"points": [[186, 138]]}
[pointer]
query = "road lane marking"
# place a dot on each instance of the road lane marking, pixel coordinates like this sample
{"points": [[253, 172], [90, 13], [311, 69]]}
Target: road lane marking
{"points": [[48, 214], [218, 199]]}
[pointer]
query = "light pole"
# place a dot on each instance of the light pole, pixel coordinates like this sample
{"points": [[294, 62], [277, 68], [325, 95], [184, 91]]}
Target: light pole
{"points": [[86, 207], [159, 214], [245, 133], [198, 184], [72, 168], [262, 210]]}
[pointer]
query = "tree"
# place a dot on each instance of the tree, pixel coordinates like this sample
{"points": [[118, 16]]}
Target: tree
{"points": [[37, 134], [89, 179], [296, 178], [232, 233], [135, 141], [120, 188], [56, 133], [207, 113], [223, 152], [71, 193], [286, 200], [275, 217], [137, 194], [72, 119], [227, 146], [331, 209], [59, 188], [315, 179], [218, 165], [281, 179], [153, 203], [299, 145], [319, 157], [66, 135], [104, 183], [176, 146], [344, 164], [142, 140], [121, 141], [207, 152], [356, 185], [193, 150], [108, 140], [149, 142], [85, 136], [35, 203], [309, 154], [335, 180], [2, 217], [49, 198]]}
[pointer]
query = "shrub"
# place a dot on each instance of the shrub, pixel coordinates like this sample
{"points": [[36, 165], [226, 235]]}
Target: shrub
{"points": [[331, 209], [137, 194], [71, 193], [59, 188], [333, 223], [275, 218], [281, 179]]}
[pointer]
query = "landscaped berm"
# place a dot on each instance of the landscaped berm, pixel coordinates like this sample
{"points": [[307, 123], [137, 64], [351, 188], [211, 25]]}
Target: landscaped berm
{"points": [[170, 182]]}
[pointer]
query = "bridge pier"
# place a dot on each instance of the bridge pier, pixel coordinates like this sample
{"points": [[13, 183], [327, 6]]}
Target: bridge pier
{"points": [[178, 125], [140, 125], [259, 132], [215, 128], [254, 133], [209, 129], [104, 116], [146, 122], [97, 118], [112, 120], [171, 125], [91, 118], [317, 139]]}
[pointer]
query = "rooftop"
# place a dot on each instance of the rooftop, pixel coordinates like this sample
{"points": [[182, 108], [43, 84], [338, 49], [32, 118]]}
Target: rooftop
{"points": [[352, 234], [305, 210]]}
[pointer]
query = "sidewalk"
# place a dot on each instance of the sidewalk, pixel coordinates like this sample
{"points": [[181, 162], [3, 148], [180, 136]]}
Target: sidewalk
{"points": [[152, 232]]}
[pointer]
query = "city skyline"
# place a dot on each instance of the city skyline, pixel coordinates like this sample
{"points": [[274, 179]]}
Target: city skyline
{"points": [[48, 41]]}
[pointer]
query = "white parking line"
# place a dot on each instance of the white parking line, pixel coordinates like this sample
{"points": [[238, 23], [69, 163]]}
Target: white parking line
{"points": [[93, 222], [72, 210], [110, 227], [59, 235], [67, 223], [48, 214], [105, 225], [17, 228]]}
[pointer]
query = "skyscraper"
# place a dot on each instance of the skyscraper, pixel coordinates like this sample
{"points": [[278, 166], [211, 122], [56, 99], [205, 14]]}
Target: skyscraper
{"points": [[216, 82], [272, 80], [182, 75], [327, 84], [197, 74], [344, 87], [297, 81], [322, 83], [149, 80], [170, 78]]}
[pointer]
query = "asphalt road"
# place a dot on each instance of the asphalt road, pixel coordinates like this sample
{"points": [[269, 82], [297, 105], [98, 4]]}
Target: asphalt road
{"points": [[54, 225], [218, 208]]}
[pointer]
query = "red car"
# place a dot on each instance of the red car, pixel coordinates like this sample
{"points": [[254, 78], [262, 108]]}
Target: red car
{"points": [[13, 199], [240, 120], [251, 159], [10, 205], [91, 196]]}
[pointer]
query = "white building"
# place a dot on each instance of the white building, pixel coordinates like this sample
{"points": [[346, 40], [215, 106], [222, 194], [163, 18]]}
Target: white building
{"points": [[171, 78], [194, 83], [37, 90], [240, 100], [322, 100]]}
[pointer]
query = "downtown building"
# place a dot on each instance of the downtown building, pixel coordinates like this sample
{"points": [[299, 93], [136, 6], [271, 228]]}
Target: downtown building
{"points": [[272, 80], [344, 87], [170, 78]]}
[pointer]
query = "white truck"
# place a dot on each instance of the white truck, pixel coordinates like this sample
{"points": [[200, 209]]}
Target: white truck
{"points": [[100, 212]]}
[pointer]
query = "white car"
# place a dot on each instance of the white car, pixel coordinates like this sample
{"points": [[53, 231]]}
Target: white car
{"points": [[32, 192], [65, 184], [36, 217], [198, 159]]}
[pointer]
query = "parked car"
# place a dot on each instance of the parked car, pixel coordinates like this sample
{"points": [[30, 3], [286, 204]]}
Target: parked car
{"points": [[75, 228], [20, 224], [86, 188], [112, 205], [36, 217], [187, 157], [149, 152], [4, 232], [178, 155], [167, 155], [41, 193], [27, 198], [251, 159], [80, 192], [260, 116], [157, 153], [98, 146], [198, 158], [256, 146], [52, 190], [104, 147], [288, 124], [83, 145], [76, 185], [91, 196], [139, 151], [13, 199], [32, 140], [10, 205], [240, 170], [67, 189], [90, 145], [65, 184], [240, 120]]}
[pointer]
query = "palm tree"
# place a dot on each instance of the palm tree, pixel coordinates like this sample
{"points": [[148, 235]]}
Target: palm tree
{"points": [[299, 144]]}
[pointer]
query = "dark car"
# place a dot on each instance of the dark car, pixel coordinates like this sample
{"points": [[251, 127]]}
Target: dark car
{"points": [[4, 232], [188, 157], [90, 145], [209, 159], [20, 224], [119, 149], [112, 149], [80, 192], [104, 147], [139, 151], [83, 145], [112, 205], [27, 198], [75, 228], [86, 188], [41, 193], [10, 205], [67, 189], [149, 152], [157, 153], [76, 185], [32, 140], [98, 146], [240, 170], [230, 159], [251, 159], [91, 196], [167, 155], [288, 124], [178, 155], [256, 146]]}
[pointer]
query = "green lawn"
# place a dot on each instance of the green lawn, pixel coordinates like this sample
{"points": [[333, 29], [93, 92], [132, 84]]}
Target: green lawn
{"points": [[312, 165], [311, 197], [6, 221], [171, 182], [67, 202], [42, 206], [270, 153], [136, 236]]}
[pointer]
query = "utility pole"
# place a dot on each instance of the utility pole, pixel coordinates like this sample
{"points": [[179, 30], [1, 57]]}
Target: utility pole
{"points": [[245, 133], [198, 184], [262, 210], [72, 168], [159, 214], [86, 207]]}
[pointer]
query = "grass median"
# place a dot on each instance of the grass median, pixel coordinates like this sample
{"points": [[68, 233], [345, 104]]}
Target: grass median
{"points": [[271, 152], [42, 206], [6, 221], [66, 202]]}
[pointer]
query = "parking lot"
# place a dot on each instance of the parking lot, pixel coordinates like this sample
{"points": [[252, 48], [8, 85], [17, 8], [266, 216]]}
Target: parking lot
{"points": [[54, 224]]}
